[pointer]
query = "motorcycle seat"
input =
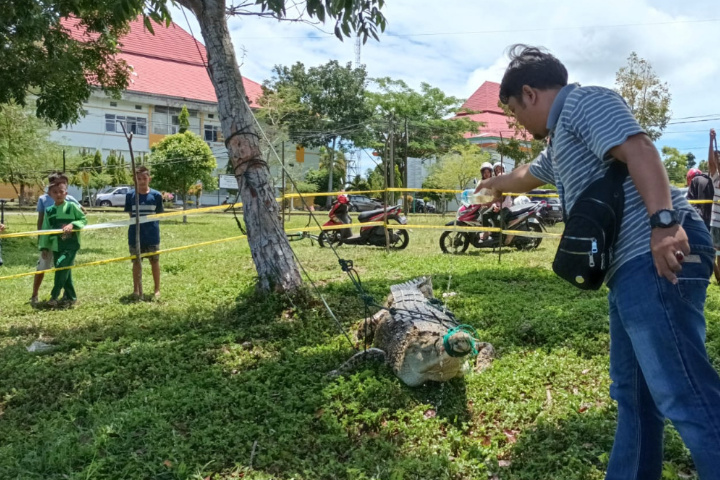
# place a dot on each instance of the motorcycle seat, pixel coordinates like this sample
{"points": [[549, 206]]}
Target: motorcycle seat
{"points": [[370, 214], [515, 210]]}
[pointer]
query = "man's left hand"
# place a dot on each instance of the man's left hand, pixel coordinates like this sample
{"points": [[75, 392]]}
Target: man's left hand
{"points": [[669, 246]]}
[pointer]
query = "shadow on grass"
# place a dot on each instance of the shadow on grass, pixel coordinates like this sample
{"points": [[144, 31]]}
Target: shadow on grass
{"points": [[166, 395], [172, 392]]}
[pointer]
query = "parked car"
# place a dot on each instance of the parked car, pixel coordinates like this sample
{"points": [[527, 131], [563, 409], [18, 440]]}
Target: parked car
{"points": [[419, 206], [554, 213], [362, 203], [112, 196]]}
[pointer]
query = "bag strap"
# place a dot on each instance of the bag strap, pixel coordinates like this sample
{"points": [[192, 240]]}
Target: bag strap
{"points": [[616, 173]]}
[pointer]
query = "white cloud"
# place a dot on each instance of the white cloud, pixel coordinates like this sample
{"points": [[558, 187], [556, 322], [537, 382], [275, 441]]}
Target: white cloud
{"points": [[593, 39]]}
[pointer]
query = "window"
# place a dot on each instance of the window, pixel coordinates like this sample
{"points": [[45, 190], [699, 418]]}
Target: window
{"points": [[213, 133], [211, 115], [136, 125], [113, 104], [138, 107], [166, 121]]}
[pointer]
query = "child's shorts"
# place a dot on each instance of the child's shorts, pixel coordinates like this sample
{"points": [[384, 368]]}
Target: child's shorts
{"points": [[146, 249]]}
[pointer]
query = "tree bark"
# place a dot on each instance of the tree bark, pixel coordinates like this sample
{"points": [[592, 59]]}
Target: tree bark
{"points": [[269, 246]]}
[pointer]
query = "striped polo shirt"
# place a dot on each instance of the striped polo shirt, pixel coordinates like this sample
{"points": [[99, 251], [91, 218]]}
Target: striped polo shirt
{"points": [[585, 123], [715, 216]]}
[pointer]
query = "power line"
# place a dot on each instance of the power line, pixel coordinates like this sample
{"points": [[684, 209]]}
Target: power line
{"points": [[483, 32]]}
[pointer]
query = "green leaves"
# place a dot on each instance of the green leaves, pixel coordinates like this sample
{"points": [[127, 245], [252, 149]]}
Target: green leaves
{"points": [[42, 57], [647, 97], [320, 103], [180, 161]]}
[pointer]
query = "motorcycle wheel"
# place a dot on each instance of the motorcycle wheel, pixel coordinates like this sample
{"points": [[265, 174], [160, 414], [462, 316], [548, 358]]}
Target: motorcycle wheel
{"points": [[454, 242], [403, 238], [528, 243], [328, 238]]}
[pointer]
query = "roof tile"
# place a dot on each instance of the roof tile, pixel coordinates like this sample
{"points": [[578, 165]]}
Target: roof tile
{"points": [[168, 63]]}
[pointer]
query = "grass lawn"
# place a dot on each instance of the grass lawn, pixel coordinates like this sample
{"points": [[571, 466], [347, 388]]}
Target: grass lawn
{"points": [[216, 382]]}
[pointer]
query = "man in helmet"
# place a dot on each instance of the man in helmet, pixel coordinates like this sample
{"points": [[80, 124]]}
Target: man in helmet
{"points": [[700, 187], [498, 168]]}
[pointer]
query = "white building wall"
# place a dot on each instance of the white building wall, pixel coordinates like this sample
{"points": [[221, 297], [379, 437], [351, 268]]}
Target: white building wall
{"points": [[90, 132], [93, 132]]}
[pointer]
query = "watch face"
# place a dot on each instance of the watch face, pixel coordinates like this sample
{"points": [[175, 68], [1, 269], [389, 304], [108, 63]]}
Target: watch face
{"points": [[665, 217]]}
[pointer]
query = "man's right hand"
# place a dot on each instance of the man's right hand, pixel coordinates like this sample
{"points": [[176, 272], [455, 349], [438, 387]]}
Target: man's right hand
{"points": [[712, 134]]}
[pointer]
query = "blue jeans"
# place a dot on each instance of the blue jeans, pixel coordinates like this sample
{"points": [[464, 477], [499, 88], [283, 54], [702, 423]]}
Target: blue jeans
{"points": [[659, 366]]}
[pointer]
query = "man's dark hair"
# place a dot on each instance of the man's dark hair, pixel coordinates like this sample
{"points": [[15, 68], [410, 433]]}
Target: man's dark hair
{"points": [[57, 177], [142, 169], [532, 66]]}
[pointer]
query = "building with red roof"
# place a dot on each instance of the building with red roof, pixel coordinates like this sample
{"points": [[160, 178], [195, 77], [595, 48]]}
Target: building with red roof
{"points": [[495, 123], [167, 72]]}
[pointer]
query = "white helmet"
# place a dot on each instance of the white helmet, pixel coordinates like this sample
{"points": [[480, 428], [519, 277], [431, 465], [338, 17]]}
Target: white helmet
{"points": [[497, 164], [486, 165]]}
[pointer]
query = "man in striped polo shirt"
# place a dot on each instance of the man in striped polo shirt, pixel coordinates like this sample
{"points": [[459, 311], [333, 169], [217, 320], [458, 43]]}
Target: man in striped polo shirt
{"points": [[658, 276]]}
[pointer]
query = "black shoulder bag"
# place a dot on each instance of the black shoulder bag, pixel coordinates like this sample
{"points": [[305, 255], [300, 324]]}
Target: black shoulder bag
{"points": [[591, 229]]}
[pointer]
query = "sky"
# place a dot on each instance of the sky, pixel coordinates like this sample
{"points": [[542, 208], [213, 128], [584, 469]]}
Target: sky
{"points": [[456, 45]]}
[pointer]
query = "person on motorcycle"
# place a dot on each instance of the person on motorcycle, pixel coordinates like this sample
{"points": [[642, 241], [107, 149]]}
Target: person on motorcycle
{"points": [[498, 168], [486, 170], [339, 213]]}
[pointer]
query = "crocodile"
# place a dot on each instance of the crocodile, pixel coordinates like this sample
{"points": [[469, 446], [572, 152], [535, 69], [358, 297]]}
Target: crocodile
{"points": [[408, 335]]}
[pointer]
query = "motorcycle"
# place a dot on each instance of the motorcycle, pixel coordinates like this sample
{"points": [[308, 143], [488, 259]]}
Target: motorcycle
{"points": [[374, 235], [525, 217]]}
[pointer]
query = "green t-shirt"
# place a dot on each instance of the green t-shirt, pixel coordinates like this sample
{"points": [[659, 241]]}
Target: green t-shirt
{"points": [[56, 217]]}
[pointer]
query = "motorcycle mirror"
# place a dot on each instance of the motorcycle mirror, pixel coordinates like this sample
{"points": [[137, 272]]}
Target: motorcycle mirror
{"points": [[474, 181]]}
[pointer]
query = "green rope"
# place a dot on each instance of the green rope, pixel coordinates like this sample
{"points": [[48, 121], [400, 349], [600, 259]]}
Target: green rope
{"points": [[460, 328]]}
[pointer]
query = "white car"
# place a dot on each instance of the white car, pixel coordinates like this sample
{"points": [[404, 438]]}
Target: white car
{"points": [[112, 196]]}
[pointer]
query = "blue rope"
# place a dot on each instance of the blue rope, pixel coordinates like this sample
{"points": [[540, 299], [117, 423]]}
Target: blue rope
{"points": [[465, 329]]}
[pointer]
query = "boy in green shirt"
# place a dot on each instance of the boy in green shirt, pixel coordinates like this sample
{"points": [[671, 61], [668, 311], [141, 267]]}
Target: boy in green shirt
{"points": [[66, 216]]}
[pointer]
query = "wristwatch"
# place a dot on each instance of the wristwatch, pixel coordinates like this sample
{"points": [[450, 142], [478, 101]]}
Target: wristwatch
{"points": [[663, 219]]}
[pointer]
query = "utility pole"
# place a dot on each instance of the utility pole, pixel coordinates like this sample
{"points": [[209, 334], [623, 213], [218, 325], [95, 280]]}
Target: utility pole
{"points": [[358, 46], [385, 207], [391, 160], [282, 202], [405, 173], [328, 201], [63, 160]]}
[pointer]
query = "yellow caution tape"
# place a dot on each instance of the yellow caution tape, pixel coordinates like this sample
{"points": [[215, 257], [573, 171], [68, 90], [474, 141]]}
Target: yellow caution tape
{"points": [[330, 194]]}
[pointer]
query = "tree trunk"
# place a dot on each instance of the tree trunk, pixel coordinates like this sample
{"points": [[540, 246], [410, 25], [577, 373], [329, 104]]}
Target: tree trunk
{"points": [[269, 246]]}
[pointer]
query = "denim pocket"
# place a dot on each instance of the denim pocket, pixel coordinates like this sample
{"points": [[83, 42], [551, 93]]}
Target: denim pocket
{"points": [[694, 277]]}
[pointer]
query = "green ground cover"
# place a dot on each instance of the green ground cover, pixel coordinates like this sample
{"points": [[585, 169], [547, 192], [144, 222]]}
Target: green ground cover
{"points": [[214, 381]]}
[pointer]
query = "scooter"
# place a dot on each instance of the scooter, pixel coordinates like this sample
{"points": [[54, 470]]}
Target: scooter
{"points": [[374, 235], [526, 217]]}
